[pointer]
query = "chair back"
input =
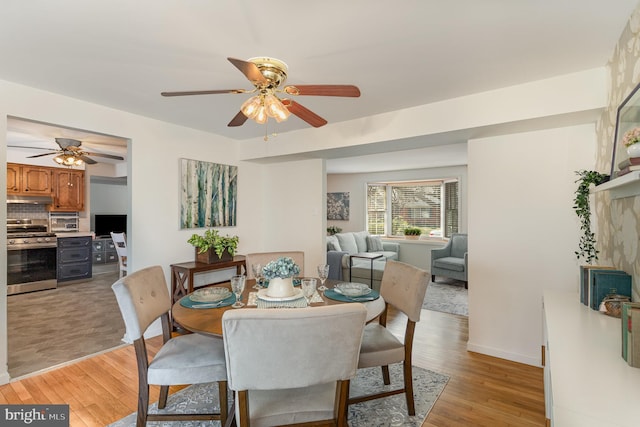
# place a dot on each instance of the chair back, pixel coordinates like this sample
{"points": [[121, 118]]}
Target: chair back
{"points": [[458, 245], [120, 242], [272, 349], [264, 258], [404, 287], [142, 296]]}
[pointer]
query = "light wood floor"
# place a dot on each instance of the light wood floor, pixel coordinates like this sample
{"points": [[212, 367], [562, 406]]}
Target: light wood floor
{"points": [[482, 391]]}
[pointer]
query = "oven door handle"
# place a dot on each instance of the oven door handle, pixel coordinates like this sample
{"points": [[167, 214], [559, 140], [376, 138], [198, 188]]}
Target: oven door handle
{"points": [[32, 246]]}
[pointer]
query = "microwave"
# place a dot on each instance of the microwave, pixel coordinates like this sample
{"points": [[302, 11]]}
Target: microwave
{"points": [[61, 222]]}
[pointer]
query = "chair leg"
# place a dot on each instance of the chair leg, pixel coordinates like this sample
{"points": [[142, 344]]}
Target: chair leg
{"points": [[224, 407], [143, 405], [466, 284], [408, 388], [164, 393], [433, 277], [385, 375]]}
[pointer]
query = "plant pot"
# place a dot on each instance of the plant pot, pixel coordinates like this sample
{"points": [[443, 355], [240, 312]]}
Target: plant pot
{"points": [[412, 237], [634, 150], [211, 257]]}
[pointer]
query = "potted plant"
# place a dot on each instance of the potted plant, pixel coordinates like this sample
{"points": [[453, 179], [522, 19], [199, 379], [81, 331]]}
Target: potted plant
{"points": [[630, 140], [587, 245], [412, 232], [333, 229], [212, 247]]}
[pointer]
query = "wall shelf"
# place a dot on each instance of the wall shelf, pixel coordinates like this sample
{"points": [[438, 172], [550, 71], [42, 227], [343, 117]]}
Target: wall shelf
{"points": [[624, 186]]}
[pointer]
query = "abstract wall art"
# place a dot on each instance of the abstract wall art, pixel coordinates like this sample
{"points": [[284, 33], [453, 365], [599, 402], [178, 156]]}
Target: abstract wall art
{"points": [[338, 206], [208, 194]]}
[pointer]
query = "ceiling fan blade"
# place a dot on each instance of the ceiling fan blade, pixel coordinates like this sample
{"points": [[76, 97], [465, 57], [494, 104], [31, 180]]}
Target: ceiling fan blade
{"points": [[42, 155], [202, 92], [87, 160], [304, 113], [68, 142], [32, 148], [249, 69], [238, 120], [323, 90], [107, 156]]}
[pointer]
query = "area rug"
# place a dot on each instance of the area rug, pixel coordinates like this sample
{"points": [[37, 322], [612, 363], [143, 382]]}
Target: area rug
{"points": [[448, 296], [386, 412]]}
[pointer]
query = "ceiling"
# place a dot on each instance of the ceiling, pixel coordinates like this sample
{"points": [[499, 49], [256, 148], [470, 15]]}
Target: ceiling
{"points": [[122, 53]]}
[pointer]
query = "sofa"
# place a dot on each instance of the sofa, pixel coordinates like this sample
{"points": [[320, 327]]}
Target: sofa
{"points": [[452, 260], [341, 245]]}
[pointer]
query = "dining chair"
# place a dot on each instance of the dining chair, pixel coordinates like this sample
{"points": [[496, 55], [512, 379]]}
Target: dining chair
{"points": [[292, 366], [403, 287], [143, 297], [263, 258], [120, 242]]}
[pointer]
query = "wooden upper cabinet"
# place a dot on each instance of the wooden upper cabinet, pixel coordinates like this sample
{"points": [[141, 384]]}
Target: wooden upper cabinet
{"points": [[29, 180], [68, 190]]}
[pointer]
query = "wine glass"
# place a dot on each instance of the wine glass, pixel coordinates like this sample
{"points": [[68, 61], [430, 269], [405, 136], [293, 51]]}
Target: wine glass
{"points": [[323, 273], [308, 288], [257, 274], [237, 287]]}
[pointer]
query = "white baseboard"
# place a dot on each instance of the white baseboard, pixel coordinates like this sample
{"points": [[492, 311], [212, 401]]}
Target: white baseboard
{"points": [[514, 357], [4, 378]]}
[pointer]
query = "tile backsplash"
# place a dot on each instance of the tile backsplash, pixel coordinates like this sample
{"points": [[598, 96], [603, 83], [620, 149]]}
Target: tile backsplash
{"points": [[24, 210]]}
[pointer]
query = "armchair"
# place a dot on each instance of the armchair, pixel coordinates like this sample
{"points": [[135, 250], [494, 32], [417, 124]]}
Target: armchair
{"points": [[451, 261]]}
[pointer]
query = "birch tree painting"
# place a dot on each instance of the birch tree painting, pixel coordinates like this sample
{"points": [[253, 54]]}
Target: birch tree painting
{"points": [[208, 194]]}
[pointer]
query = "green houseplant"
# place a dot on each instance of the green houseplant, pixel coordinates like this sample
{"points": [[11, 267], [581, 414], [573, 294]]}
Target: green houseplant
{"points": [[587, 244], [212, 242], [412, 232], [333, 229]]}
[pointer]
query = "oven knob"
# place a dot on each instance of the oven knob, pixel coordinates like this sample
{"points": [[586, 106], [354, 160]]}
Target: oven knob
{"points": [[11, 242], [39, 240], [25, 241]]}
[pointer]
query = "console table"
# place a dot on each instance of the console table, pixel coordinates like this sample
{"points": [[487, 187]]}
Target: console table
{"points": [[371, 256], [182, 274]]}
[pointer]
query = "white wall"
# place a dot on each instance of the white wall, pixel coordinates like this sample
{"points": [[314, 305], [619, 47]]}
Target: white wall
{"points": [[522, 234]]}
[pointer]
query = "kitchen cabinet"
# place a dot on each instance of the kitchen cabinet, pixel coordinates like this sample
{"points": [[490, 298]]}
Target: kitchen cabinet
{"points": [[104, 251], [68, 190], [74, 258], [29, 180]]}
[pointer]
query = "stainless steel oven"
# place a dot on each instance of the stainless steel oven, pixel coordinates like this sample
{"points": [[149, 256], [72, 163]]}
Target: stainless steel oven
{"points": [[31, 257]]}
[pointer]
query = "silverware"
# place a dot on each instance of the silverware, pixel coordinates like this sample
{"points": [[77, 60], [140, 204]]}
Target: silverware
{"points": [[208, 305], [360, 299]]}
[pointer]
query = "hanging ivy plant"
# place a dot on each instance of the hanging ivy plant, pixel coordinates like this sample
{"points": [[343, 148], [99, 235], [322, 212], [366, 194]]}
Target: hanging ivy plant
{"points": [[587, 245]]}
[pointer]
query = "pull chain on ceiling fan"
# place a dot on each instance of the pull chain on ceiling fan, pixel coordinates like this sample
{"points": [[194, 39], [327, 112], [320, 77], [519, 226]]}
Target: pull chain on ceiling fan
{"points": [[267, 75]]}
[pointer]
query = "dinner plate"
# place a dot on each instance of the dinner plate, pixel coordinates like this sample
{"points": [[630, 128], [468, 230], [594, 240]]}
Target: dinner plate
{"points": [[352, 289], [210, 294], [262, 294]]}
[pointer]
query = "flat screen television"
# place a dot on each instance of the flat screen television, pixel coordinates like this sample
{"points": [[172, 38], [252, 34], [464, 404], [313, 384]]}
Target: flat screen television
{"points": [[105, 224]]}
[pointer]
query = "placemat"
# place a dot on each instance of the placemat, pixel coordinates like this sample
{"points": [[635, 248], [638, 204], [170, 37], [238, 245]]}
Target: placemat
{"points": [[187, 302], [254, 301], [371, 296]]}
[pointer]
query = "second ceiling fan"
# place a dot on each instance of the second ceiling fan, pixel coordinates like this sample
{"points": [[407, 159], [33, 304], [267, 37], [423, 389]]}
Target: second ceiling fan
{"points": [[267, 75]]}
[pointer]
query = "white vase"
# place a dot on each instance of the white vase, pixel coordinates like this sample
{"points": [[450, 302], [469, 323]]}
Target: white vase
{"points": [[634, 150], [280, 287]]}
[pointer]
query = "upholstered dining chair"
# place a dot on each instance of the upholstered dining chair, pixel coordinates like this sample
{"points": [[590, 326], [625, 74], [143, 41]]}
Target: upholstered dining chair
{"points": [[143, 297], [120, 242], [263, 258], [297, 368], [403, 286]]}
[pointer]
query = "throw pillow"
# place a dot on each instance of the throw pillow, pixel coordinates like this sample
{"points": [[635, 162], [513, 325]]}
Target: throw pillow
{"points": [[374, 244], [332, 243], [361, 240], [347, 242]]}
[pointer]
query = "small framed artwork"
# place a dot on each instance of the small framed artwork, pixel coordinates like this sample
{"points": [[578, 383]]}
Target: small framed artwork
{"points": [[338, 206], [627, 120], [208, 194]]}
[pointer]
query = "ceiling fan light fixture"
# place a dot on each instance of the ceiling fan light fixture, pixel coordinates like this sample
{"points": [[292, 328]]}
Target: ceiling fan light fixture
{"points": [[261, 116], [68, 160], [276, 109], [251, 106]]}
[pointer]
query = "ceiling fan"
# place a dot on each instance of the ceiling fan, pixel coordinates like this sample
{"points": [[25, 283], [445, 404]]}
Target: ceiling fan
{"points": [[70, 153], [267, 76]]}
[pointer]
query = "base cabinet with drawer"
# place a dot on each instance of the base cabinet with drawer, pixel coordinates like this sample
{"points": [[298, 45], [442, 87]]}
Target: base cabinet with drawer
{"points": [[104, 251], [74, 258]]}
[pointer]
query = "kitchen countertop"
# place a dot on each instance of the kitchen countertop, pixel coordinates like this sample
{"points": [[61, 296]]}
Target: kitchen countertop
{"points": [[75, 234]]}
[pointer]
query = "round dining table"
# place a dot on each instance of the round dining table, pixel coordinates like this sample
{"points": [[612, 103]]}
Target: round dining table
{"points": [[209, 320]]}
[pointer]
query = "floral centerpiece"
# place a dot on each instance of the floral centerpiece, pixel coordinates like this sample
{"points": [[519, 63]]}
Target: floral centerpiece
{"points": [[283, 267]]}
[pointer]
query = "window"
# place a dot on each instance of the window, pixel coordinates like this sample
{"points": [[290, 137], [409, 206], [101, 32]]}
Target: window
{"points": [[430, 205]]}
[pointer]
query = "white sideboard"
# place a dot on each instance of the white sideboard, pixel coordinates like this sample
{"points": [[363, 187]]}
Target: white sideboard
{"points": [[587, 382]]}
